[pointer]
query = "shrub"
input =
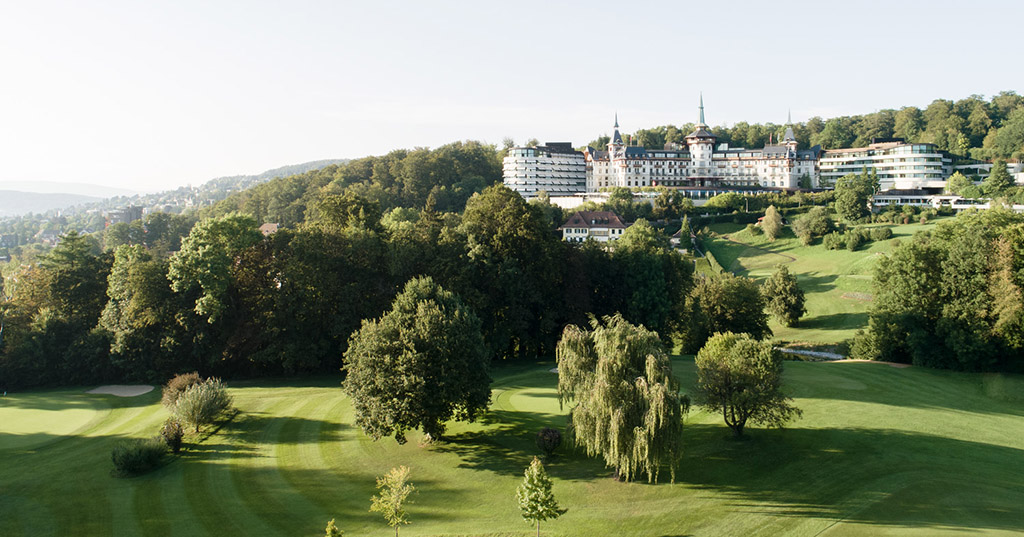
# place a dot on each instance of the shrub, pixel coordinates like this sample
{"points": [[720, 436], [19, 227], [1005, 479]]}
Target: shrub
{"points": [[172, 433], [753, 229], [806, 238], [202, 403], [548, 440], [881, 234], [177, 385], [833, 241], [853, 240], [137, 456]]}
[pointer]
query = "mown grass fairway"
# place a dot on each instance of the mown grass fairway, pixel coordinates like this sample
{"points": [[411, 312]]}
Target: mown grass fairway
{"points": [[879, 451], [837, 283]]}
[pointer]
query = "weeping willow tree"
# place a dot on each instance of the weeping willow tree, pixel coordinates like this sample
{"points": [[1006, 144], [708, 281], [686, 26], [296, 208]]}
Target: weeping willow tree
{"points": [[627, 403]]}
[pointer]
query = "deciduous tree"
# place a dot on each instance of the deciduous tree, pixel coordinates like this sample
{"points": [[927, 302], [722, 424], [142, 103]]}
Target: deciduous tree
{"points": [[202, 403], [393, 493], [420, 365], [725, 303], [627, 404], [742, 378], [536, 501]]}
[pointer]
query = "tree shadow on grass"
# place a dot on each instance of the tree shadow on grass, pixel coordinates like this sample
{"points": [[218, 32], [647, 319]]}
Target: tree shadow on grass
{"points": [[508, 444], [835, 321], [866, 476], [816, 283], [260, 427]]}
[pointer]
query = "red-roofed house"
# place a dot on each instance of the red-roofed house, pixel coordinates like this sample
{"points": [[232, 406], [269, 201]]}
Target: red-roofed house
{"points": [[601, 226]]}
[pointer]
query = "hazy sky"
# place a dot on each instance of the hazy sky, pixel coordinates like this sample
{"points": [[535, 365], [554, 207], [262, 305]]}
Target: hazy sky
{"points": [[153, 95]]}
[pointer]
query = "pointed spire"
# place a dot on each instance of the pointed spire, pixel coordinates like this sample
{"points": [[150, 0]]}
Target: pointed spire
{"points": [[789, 136], [616, 137], [702, 109]]}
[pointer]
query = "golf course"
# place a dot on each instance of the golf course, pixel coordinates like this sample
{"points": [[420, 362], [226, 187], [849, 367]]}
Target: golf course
{"points": [[837, 283], [880, 450]]}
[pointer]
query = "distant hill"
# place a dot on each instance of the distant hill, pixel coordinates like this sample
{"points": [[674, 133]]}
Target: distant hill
{"points": [[14, 203], [242, 182], [80, 189]]}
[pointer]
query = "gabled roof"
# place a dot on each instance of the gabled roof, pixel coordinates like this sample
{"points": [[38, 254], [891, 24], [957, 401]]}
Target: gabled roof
{"points": [[592, 219], [633, 151]]}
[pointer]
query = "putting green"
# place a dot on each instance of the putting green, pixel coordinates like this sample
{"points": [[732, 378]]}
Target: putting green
{"points": [[29, 420]]}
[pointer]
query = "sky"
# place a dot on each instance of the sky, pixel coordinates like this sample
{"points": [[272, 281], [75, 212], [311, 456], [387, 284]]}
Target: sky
{"points": [[154, 95]]}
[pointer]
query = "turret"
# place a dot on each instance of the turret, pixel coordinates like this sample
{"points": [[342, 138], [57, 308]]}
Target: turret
{"points": [[789, 139], [615, 147], [702, 145]]}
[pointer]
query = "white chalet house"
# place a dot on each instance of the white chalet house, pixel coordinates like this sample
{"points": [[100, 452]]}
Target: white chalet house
{"points": [[602, 226]]}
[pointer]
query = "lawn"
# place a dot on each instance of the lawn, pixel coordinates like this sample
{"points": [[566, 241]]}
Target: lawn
{"points": [[879, 451], [837, 283]]}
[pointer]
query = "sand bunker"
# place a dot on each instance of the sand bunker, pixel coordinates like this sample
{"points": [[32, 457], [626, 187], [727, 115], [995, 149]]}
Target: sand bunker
{"points": [[123, 390]]}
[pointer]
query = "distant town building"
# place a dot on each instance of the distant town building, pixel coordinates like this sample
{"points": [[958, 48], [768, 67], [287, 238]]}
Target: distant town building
{"points": [[601, 226], [269, 229], [125, 215], [555, 168]]}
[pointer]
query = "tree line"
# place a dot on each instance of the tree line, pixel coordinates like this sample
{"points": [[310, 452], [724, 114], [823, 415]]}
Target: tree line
{"points": [[231, 302], [952, 298]]}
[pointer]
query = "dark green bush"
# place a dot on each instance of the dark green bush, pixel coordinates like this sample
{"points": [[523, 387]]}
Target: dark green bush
{"points": [[881, 233], [833, 241], [172, 432], [753, 229], [853, 240], [137, 456], [548, 440]]}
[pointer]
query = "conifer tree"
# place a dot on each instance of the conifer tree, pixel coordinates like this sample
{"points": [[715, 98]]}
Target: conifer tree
{"points": [[998, 179], [536, 500], [784, 297], [772, 223]]}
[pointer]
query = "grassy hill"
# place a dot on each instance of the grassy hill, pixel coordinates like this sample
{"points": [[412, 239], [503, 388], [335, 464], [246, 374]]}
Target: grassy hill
{"points": [[837, 283], [879, 451]]}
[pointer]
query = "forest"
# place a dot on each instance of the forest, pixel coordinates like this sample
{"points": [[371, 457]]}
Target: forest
{"points": [[143, 302]]}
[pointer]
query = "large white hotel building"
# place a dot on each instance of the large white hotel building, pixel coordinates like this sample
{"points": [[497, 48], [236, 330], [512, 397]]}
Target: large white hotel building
{"points": [[700, 163]]}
